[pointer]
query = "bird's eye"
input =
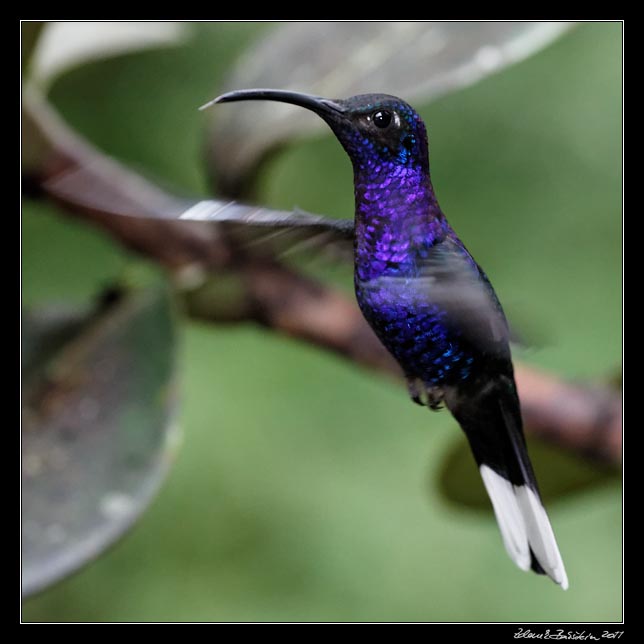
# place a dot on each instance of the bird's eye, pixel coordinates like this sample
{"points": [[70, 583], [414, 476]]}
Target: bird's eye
{"points": [[381, 118]]}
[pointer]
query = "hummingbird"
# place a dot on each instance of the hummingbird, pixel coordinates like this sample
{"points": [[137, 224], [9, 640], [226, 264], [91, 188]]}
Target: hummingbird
{"points": [[432, 306]]}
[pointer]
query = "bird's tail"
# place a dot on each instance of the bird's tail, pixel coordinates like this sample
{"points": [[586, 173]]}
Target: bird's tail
{"points": [[490, 417]]}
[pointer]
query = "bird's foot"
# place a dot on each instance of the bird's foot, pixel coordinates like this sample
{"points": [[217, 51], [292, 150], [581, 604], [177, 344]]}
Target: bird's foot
{"points": [[417, 391], [421, 394]]}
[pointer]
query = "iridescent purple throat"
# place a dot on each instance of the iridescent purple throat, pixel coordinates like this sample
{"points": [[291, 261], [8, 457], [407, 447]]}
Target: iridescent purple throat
{"points": [[397, 219]]}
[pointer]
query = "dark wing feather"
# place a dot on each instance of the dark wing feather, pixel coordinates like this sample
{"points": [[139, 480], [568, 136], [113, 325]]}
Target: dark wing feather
{"points": [[463, 291], [450, 279], [276, 232]]}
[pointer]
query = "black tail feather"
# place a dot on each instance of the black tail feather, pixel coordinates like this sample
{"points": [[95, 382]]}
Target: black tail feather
{"points": [[489, 414]]}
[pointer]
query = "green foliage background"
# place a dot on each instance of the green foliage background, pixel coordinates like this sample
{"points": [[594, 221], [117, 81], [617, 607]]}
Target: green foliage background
{"points": [[307, 489]]}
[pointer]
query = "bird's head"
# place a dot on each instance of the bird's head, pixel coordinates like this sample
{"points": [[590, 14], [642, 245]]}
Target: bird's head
{"points": [[376, 130]]}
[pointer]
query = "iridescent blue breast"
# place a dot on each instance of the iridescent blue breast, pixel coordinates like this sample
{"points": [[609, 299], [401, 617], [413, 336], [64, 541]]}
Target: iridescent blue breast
{"points": [[414, 329]]}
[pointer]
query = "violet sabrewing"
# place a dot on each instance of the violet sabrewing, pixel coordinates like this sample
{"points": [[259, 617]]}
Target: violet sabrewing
{"points": [[433, 307]]}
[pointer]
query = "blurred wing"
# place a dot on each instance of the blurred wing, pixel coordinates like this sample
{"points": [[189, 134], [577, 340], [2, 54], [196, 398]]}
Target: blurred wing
{"points": [[451, 280], [69, 169], [106, 186], [463, 291], [276, 232]]}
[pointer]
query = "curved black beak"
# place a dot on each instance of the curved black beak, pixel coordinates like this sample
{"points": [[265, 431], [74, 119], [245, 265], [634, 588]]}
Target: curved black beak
{"points": [[324, 107]]}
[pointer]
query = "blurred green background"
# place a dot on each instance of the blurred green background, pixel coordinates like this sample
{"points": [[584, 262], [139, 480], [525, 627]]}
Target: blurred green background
{"points": [[307, 489]]}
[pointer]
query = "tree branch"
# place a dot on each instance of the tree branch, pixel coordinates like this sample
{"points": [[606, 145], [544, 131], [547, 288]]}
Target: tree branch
{"points": [[583, 418]]}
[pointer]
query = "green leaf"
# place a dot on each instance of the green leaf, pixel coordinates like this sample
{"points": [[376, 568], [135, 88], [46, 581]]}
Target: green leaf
{"points": [[559, 474]]}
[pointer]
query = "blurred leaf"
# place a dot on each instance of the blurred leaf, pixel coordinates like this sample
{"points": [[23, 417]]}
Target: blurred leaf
{"points": [[559, 474], [37, 144], [44, 332], [419, 61], [67, 44], [30, 32], [98, 428], [61, 163]]}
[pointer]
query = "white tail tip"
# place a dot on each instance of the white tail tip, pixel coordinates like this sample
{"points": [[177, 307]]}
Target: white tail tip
{"points": [[524, 525]]}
